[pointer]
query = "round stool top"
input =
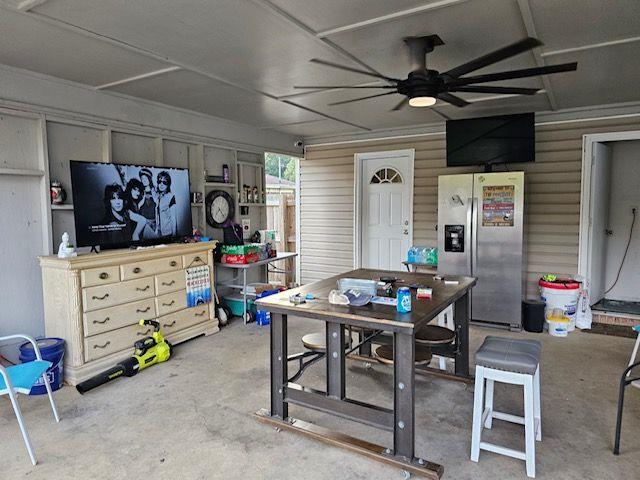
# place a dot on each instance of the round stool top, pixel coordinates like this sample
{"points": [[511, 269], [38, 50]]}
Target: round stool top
{"points": [[384, 354], [434, 335], [317, 342]]}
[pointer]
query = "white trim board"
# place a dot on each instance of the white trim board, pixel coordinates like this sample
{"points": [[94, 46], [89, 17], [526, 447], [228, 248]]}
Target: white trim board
{"points": [[357, 195]]}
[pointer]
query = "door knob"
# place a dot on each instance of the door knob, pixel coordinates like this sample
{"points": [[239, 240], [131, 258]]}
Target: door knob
{"points": [[406, 231], [406, 222]]}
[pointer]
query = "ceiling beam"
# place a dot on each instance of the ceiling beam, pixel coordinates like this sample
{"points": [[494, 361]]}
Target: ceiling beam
{"points": [[611, 43], [389, 17], [142, 76], [527, 18]]}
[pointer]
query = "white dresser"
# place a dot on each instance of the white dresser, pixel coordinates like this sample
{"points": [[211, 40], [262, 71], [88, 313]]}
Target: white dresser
{"points": [[94, 302]]}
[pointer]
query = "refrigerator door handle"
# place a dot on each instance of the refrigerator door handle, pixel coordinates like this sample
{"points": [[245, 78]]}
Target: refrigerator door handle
{"points": [[469, 235], [474, 236]]}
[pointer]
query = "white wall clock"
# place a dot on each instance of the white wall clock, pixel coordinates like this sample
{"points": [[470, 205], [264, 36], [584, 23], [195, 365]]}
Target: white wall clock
{"points": [[219, 208]]}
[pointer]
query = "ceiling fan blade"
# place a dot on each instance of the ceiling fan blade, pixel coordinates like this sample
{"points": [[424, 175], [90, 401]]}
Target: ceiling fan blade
{"points": [[403, 103], [495, 56], [453, 100], [329, 87], [351, 69], [489, 89], [361, 98], [526, 72]]}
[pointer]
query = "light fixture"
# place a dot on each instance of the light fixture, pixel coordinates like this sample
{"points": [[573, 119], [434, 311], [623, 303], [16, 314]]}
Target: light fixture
{"points": [[422, 101]]}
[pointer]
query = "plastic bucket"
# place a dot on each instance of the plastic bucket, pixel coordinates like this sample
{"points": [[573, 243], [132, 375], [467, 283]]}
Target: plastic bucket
{"points": [[558, 326], [52, 350], [561, 294]]}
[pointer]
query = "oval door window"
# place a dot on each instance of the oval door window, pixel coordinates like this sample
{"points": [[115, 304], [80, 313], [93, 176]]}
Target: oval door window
{"points": [[386, 175]]}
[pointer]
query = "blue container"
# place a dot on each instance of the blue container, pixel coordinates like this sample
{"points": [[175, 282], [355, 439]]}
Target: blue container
{"points": [[404, 300], [52, 350], [262, 316]]}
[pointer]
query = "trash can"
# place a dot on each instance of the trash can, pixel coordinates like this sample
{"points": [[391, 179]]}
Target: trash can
{"points": [[533, 315]]}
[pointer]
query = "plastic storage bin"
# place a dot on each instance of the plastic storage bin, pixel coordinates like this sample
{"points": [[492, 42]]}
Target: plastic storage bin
{"points": [[263, 317]]}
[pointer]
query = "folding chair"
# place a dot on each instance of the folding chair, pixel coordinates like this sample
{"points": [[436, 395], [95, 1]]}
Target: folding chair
{"points": [[625, 381], [20, 379]]}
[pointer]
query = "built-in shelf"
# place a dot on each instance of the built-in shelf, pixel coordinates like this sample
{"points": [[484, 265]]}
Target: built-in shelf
{"points": [[219, 184], [21, 172], [249, 204], [63, 206]]}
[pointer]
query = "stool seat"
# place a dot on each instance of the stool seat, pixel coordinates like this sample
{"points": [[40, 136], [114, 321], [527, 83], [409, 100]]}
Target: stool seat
{"points": [[510, 355], [384, 354], [434, 335], [317, 342]]}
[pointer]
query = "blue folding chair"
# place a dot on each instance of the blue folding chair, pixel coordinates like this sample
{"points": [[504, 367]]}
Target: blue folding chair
{"points": [[20, 379], [626, 380]]}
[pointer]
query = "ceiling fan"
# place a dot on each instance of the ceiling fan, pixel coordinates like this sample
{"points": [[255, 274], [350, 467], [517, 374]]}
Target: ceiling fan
{"points": [[423, 86]]}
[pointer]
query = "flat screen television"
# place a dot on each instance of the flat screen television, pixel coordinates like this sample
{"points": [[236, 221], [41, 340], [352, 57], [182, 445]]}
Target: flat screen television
{"points": [[123, 205], [491, 140]]}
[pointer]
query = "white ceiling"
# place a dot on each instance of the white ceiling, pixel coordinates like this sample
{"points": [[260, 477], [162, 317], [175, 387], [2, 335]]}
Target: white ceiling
{"points": [[239, 59]]}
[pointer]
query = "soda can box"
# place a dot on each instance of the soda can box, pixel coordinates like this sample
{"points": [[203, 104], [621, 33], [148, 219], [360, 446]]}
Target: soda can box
{"points": [[240, 259], [404, 300], [240, 249], [424, 292]]}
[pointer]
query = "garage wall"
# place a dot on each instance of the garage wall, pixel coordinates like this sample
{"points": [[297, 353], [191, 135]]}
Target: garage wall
{"points": [[552, 198]]}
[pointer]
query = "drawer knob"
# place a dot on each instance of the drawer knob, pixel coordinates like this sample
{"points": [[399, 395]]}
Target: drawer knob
{"points": [[100, 298], [197, 259], [102, 346], [101, 322], [165, 325], [137, 270], [104, 276], [201, 313], [168, 304], [142, 289], [142, 310], [168, 284], [173, 263], [146, 332]]}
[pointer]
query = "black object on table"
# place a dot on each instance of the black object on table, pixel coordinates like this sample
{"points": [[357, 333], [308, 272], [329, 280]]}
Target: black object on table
{"points": [[372, 317]]}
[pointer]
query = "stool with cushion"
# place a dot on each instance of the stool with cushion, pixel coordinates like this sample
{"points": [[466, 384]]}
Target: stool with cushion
{"points": [[517, 362]]}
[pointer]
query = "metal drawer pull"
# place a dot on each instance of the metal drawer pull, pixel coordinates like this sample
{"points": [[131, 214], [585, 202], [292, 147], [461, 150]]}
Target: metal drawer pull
{"points": [[104, 276], [101, 322], [197, 259], [137, 270], [201, 313], [146, 332], [142, 311], [165, 284], [168, 304], [103, 346], [142, 289], [173, 263], [165, 325], [100, 298]]}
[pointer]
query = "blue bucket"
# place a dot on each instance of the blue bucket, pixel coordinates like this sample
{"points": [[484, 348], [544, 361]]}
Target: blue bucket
{"points": [[52, 350]]}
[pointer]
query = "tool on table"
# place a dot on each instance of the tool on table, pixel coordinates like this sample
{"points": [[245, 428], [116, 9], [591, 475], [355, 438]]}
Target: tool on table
{"points": [[148, 351], [310, 296], [297, 299]]}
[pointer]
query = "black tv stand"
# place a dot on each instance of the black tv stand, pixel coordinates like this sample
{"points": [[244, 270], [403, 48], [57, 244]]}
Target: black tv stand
{"points": [[94, 249]]}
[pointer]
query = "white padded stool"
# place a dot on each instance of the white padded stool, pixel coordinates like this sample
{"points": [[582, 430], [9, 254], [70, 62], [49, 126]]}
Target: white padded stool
{"points": [[509, 361]]}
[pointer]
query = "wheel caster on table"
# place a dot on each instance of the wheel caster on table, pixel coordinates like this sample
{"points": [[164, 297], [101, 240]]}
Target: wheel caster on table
{"points": [[367, 365], [278, 429], [248, 317], [406, 475]]}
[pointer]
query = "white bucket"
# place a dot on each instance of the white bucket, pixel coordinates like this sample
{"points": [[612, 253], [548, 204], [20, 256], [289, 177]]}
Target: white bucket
{"points": [[558, 327], [564, 298]]}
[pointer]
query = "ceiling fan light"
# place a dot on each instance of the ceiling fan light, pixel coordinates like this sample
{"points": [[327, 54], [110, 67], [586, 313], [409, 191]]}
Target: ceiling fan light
{"points": [[422, 101]]}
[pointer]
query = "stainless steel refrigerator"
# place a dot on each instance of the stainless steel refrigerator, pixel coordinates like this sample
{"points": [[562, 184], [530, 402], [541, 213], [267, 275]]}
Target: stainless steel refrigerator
{"points": [[480, 234]]}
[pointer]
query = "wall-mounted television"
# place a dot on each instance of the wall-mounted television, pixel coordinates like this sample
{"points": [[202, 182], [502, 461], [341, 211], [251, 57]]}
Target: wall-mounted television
{"points": [[491, 140], [122, 205]]}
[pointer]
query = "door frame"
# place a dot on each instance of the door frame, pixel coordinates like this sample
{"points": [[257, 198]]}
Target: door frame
{"points": [[358, 160], [586, 205]]}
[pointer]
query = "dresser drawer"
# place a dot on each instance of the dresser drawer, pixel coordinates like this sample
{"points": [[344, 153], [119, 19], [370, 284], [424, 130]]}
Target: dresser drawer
{"points": [[150, 267], [177, 321], [106, 343], [106, 319], [170, 282], [94, 298], [195, 259], [100, 276], [171, 302]]}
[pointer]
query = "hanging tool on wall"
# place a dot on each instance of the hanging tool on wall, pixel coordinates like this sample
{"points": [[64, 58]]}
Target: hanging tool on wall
{"points": [[148, 351]]}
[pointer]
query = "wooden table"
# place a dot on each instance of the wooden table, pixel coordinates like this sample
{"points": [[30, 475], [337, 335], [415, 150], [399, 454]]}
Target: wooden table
{"points": [[373, 317]]}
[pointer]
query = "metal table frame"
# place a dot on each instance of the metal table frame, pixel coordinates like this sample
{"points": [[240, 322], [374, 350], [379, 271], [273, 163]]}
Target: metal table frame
{"points": [[400, 420]]}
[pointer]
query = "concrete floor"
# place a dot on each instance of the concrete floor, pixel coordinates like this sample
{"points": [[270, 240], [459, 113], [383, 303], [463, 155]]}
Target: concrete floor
{"points": [[191, 418]]}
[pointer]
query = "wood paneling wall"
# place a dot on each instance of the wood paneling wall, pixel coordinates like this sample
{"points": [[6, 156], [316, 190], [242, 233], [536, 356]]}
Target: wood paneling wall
{"points": [[552, 198]]}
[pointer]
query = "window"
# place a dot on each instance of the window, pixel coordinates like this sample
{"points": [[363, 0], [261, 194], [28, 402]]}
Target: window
{"points": [[386, 175]]}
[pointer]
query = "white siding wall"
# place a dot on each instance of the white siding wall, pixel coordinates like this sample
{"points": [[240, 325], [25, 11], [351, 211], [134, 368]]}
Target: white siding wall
{"points": [[552, 198]]}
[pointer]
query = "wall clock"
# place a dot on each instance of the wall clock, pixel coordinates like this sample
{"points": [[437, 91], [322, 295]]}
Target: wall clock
{"points": [[220, 209]]}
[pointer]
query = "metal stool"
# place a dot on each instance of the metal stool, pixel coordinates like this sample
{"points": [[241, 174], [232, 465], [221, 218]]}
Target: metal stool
{"points": [[509, 361], [317, 342], [434, 335], [384, 354]]}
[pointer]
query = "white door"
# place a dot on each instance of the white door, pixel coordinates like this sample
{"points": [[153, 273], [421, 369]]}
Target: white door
{"points": [[598, 219], [386, 208]]}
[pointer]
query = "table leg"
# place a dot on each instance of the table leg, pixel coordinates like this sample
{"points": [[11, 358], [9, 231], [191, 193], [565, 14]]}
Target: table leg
{"points": [[404, 395], [244, 295], [461, 320], [335, 360], [279, 374]]}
